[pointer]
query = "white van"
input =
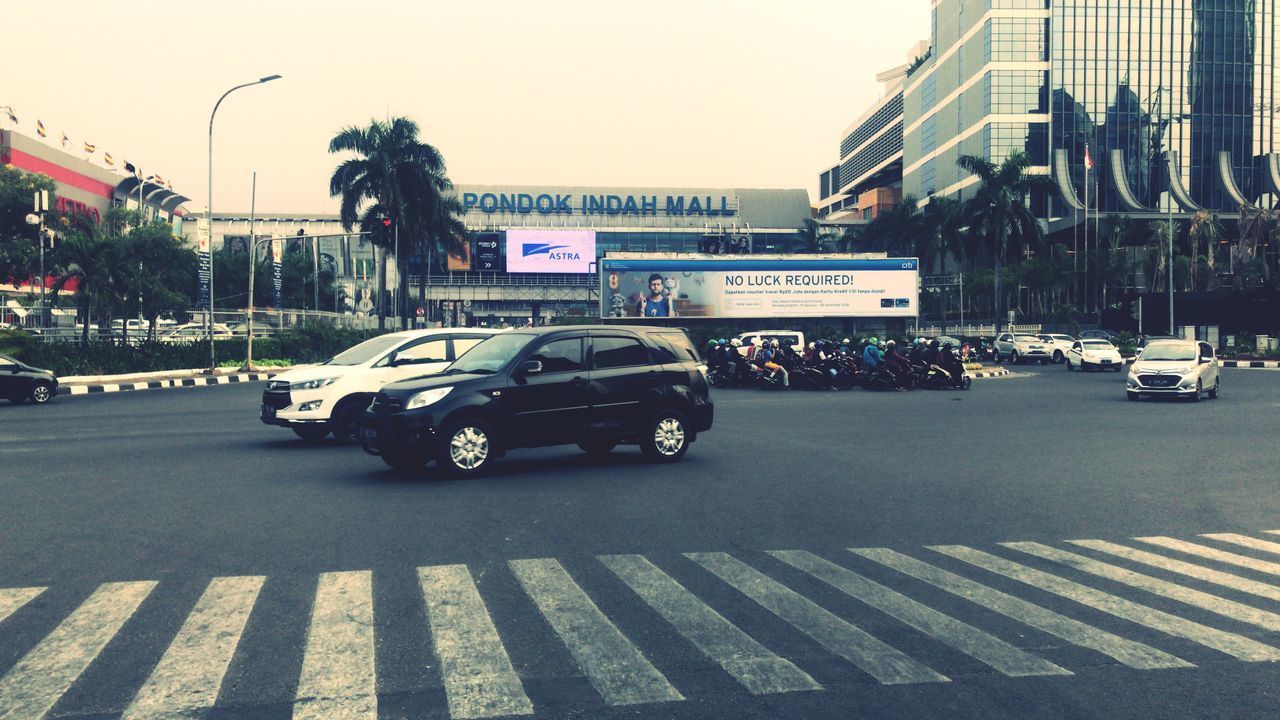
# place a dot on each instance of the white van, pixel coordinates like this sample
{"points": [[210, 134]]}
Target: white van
{"points": [[319, 399], [794, 338]]}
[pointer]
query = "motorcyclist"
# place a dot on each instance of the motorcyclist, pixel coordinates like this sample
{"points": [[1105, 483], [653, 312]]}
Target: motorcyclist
{"points": [[916, 355], [931, 353], [771, 356], [871, 356], [949, 361]]}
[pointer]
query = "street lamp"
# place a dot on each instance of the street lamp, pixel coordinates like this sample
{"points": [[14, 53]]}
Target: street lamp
{"points": [[208, 210]]}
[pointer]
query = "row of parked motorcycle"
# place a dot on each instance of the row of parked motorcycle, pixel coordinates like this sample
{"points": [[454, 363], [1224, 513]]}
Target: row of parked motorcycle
{"points": [[834, 365]]}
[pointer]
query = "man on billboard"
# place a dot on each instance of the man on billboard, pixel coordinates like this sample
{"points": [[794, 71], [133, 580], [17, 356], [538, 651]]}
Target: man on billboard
{"points": [[657, 303]]}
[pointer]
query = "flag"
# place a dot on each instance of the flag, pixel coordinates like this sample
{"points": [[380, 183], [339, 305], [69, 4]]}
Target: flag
{"points": [[106, 157], [65, 139], [40, 129], [1088, 159], [12, 118], [89, 147], [129, 168], [159, 180]]}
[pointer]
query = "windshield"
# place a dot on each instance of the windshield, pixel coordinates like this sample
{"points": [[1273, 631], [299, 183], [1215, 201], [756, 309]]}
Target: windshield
{"points": [[1027, 338], [365, 351], [1064, 338], [1097, 345], [1169, 351], [492, 354]]}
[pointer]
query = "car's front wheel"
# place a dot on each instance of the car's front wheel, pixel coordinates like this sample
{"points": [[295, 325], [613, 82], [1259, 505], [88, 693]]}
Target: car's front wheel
{"points": [[1199, 391], [467, 447], [343, 421], [1013, 357], [666, 437], [1058, 357], [41, 393], [1213, 392]]}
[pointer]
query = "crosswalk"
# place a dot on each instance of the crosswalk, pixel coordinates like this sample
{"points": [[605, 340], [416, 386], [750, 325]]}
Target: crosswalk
{"points": [[767, 623]]}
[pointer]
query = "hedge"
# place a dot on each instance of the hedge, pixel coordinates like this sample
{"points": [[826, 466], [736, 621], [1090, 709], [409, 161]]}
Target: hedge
{"points": [[307, 345]]}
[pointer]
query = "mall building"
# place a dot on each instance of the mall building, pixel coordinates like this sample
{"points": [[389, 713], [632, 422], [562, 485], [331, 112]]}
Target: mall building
{"points": [[1176, 101], [508, 275]]}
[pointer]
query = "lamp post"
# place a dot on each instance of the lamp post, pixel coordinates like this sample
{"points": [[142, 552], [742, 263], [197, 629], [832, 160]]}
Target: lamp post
{"points": [[208, 210]]}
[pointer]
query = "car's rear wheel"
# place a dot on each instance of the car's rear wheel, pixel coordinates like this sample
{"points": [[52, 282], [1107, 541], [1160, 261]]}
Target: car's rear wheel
{"points": [[311, 433], [996, 357], [467, 447], [1013, 357], [597, 448], [41, 393], [665, 437], [1058, 357]]}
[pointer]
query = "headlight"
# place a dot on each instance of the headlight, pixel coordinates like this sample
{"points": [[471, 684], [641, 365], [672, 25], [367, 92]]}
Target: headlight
{"points": [[426, 397], [312, 384]]}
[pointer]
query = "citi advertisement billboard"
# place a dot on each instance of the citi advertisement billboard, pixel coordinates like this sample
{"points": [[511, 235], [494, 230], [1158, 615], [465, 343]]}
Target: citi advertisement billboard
{"points": [[551, 251], [780, 288]]}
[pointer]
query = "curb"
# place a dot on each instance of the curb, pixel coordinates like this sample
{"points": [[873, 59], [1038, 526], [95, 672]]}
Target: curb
{"points": [[997, 372], [158, 384], [1246, 364]]}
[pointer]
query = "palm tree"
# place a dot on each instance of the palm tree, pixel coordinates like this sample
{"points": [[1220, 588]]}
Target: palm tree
{"points": [[397, 178], [999, 220], [1257, 224], [1205, 228], [896, 231], [97, 259]]}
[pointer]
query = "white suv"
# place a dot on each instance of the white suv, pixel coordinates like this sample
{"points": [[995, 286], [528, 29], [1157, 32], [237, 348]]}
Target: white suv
{"points": [[1022, 348], [1182, 368], [317, 400]]}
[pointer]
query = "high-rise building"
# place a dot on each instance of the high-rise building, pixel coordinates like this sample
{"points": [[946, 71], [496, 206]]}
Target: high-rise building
{"points": [[1175, 100]]}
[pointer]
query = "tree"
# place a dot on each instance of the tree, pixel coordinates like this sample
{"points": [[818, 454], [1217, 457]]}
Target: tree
{"points": [[813, 238], [1257, 224], [165, 268], [19, 253], [1205, 230], [397, 177], [895, 231], [96, 258], [999, 219]]}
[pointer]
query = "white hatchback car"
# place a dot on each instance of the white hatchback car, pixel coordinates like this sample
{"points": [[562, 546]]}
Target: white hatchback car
{"points": [[1099, 354], [1181, 368], [319, 399]]}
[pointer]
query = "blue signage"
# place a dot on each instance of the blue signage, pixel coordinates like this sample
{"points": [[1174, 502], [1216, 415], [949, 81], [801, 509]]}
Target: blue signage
{"points": [[566, 204]]}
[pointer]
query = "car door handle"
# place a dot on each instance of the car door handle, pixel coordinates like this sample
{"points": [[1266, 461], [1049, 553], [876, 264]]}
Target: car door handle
{"points": [[578, 382]]}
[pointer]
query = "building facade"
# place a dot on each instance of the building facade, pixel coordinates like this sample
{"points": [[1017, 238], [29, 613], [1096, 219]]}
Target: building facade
{"points": [[477, 289], [1174, 99]]}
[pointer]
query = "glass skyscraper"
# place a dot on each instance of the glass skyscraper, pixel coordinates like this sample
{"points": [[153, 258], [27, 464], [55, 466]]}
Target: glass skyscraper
{"points": [[1154, 88]]}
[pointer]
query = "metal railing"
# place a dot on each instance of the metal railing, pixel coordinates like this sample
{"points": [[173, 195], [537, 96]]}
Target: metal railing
{"points": [[497, 279]]}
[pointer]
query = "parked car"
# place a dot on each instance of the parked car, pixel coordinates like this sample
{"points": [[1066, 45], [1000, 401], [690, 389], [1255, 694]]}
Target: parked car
{"points": [[193, 332], [20, 382], [1021, 348], [327, 398], [1098, 354], [795, 338], [1059, 344], [1181, 368], [594, 386]]}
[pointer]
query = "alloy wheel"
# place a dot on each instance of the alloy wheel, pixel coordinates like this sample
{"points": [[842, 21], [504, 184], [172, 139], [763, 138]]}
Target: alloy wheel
{"points": [[668, 436], [41, 394], [469, 448]]}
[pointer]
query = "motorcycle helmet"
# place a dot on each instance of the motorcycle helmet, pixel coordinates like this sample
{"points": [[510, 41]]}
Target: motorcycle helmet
{"points": [[845, 341], [773, 343], [813, 345], [891, 343], [872, 341], [735, 342]]}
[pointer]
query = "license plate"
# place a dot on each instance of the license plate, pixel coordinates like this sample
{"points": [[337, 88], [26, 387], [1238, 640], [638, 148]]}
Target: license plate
{"points": [[1162, 382], [1106, 362], [268, 412]]}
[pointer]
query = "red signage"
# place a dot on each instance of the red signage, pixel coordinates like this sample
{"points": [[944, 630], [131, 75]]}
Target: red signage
{"points": [[77, 209]]}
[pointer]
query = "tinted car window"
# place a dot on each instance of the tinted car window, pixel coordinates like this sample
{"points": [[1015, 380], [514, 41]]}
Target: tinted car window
{"points": [[560, 356], [682, 345], [613, 352]]}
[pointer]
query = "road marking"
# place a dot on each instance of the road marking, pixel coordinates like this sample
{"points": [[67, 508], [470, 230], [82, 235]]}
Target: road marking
{"points": [[13, 598], [1235, 582], [190, 674], [615, 668], [1231, 644], [1246, 541], [479, 680], [1209, 553], [1183, 594], [884, 663], [1128, 652], [338, 677], [32, 687], [752, 664], [969, 640]]}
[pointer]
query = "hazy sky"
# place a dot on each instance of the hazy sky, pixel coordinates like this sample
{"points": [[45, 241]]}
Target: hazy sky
{"points": [[656, 93]]}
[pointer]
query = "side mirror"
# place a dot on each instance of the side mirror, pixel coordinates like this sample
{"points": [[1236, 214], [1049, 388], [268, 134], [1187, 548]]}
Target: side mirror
{"points": [[1205, 359], [529, 367], [393, 359]]}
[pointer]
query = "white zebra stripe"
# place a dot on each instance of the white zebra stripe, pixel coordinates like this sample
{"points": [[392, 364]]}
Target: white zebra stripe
{"points": [[1235, 582], [1209, 553], [32, 687], [339, 678], [969, 640], [13, 598], [1237, 646], [479, 680], [1128, 652], [189, 675], [1183, 594], [752, 664], [615, 667], [1246, 541], [886, 664]]}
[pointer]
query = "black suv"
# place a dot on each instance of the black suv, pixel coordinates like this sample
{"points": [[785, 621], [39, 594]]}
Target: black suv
{"points": [[596, 386]]}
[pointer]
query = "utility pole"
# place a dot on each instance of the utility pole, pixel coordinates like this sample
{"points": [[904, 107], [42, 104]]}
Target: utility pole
{"points": [[253, 269]]}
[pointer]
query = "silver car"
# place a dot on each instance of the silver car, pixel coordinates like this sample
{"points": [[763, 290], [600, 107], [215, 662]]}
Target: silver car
{"points": [[1180, 368]]}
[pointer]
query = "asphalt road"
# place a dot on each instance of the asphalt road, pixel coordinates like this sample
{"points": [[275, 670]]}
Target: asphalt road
{"points": [[183, 487]]}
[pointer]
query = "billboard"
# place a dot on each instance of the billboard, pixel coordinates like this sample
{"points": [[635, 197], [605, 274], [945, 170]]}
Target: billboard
{"points": [[551, 251], [756, 288], [487, 252]]}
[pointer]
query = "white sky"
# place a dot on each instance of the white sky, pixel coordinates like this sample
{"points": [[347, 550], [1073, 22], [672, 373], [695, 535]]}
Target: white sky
{"points": [[660, 93]]}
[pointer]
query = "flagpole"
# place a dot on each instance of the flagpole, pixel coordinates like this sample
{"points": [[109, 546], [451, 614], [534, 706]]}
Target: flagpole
{"points": [[1087, 162]]}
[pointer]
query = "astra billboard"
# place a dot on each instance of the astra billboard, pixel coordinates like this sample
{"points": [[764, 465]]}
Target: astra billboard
{"points": [[781, 288], [551, 251]]}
